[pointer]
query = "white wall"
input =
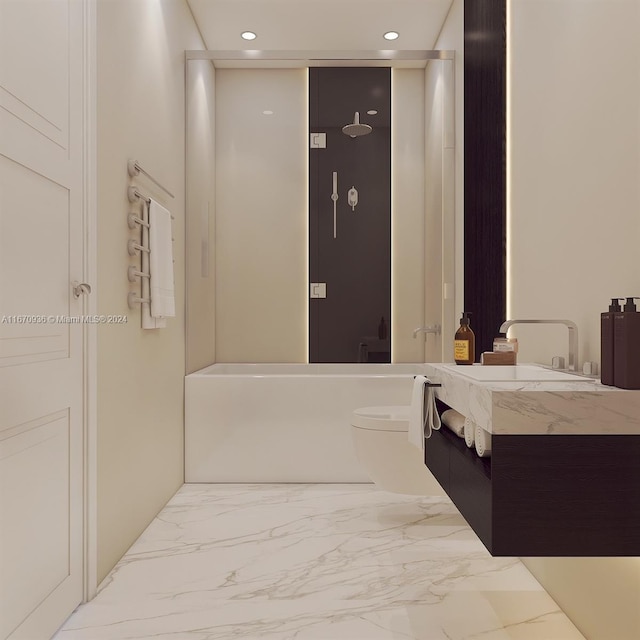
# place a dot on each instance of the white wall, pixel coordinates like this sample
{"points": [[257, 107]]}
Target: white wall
{"points": [[140, 89], [574, 168], [574, 203], [200, 215], [261, 215], [407, 214], [451, 38]]}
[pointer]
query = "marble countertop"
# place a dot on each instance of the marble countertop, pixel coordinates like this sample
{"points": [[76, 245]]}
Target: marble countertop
{"points": [[573, 407]]}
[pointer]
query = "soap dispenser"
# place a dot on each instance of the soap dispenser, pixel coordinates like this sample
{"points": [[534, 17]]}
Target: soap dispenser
{"points": [[606, 341], [464, 345], [626, 346]]}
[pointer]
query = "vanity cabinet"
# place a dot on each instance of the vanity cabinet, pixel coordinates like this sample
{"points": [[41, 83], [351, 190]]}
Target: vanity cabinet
{"points": [[545, 495]]}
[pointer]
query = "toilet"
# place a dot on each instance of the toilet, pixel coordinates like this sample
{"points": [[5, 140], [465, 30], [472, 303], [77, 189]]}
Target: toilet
{"points": [[380, 437]]}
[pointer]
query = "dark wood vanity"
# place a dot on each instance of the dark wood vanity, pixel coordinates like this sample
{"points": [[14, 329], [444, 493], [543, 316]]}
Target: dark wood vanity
{"points": [[544, 495]]}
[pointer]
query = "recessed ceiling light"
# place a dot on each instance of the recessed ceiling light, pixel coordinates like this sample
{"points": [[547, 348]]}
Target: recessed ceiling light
{"points": [[248, 35], [391, 35], [372, 112], [268, 112]]}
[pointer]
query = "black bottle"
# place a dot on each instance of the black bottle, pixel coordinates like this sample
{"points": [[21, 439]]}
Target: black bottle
{"points": [[383, 330], [606, 341], [626, 346]]}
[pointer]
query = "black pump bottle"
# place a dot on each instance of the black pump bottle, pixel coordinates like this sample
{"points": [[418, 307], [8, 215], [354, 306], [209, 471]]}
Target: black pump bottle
{"points": [[606, 341], [626, 346]]}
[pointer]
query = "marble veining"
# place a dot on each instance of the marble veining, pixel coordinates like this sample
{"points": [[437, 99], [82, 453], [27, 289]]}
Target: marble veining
{"points": [[314, 562], [533, 407]]}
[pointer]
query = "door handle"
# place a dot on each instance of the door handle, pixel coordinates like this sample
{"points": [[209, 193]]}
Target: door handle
{"points": [[80, 289]]}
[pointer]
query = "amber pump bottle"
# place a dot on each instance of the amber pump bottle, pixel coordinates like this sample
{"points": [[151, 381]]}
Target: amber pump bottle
{"points": [[606, 341], [626, 346], [464, 345]]}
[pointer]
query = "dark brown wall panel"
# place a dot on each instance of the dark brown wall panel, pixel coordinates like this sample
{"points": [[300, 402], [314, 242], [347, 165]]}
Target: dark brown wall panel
{"points": [[485, 168]]}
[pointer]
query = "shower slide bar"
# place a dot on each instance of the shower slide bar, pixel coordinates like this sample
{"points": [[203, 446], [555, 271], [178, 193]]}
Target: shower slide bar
{"points": [[334, 197], [134, 169]]}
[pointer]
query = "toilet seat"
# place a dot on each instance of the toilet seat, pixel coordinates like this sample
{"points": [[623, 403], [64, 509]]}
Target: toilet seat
{"points": [[388, 418]]}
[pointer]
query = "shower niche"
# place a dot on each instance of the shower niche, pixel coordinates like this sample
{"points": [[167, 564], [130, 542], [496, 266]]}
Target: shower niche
{"points": [[350, 214]]}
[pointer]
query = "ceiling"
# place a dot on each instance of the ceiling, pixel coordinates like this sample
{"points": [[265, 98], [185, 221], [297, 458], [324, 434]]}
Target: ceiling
{"points": [[320, 25]]}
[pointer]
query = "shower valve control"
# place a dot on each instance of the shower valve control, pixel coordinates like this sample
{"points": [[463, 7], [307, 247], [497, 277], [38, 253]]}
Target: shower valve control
{"points": [[317, 289], [352, 198]]}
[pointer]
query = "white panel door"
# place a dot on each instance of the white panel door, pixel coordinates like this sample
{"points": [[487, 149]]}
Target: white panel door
{"points": [[41, 358]]}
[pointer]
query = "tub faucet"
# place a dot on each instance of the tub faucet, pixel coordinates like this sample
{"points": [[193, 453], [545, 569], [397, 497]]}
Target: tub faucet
{"points": [[435, 328], [573, 336]]}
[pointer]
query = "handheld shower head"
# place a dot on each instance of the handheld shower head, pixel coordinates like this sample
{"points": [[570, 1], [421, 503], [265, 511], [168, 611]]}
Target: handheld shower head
{"points": [[356, 129]]}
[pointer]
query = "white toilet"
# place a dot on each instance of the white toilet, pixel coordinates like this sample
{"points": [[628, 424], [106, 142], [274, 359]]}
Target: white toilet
{"points": [[380, 436]]}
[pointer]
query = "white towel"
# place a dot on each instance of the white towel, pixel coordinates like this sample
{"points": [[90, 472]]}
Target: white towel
{"points": [[483, 442], [161, 262], [455, 421], [420, 422], [469, 432]]}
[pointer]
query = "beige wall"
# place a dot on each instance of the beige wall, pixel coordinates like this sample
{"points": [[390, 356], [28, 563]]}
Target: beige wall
{"points": [[574, 162], [200, 215], [574, 166], [451, 38], [140, 89], [407, 214], [261, 215]]}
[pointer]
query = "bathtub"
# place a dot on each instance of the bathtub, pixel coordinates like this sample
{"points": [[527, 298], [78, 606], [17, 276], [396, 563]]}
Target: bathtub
{"points": [[283, 422]]}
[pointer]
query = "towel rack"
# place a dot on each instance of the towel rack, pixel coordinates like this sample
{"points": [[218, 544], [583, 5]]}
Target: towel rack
{"points": [[133, 220], [133, 247], [134, 169], [133, 299], [430, 384], [133, 194], [133, 273]]}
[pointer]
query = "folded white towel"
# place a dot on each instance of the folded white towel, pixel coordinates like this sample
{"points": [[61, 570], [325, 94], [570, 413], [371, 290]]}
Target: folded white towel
{"points": [[483, 442], [421, 422], [161, 262], [469, 432], [455, 421]]}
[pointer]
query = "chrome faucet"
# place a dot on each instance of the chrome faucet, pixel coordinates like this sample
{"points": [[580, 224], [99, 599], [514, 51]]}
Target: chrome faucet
{"points": [[430, 329], [573, 336]]}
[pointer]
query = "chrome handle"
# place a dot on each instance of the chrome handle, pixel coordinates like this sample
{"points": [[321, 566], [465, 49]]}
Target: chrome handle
{"points": [[80, 288], [435, 329]]}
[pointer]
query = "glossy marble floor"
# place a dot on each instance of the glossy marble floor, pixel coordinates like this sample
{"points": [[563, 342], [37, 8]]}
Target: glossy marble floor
{"points": [[314, 562]]}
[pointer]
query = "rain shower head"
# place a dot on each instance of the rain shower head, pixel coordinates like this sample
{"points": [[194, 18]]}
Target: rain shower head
{"points": [[356, 129]]}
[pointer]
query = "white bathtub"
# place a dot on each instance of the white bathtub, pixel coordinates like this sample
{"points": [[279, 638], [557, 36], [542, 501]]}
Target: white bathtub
{"points": [[283, 422]]}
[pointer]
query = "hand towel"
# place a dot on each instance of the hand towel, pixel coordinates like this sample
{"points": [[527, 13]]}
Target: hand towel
{"points": [[469, 432], [161, 262], [483, 442], [421, 422], [454, 420]]}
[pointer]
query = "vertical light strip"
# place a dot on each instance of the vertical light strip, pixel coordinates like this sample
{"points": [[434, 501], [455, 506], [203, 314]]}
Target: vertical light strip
{"points": [[306, 210], [394, 313], [509, 212]]}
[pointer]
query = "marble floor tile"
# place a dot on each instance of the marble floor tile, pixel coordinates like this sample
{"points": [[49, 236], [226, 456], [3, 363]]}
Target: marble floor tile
{"points": [[314, 562]]}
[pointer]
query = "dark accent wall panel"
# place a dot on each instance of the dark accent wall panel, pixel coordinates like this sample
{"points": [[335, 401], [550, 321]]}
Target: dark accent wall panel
{"points": [[356, 264], [485, 168]]}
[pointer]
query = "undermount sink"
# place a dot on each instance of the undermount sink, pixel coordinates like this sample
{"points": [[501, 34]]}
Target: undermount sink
{"points": [[518, 372]]}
